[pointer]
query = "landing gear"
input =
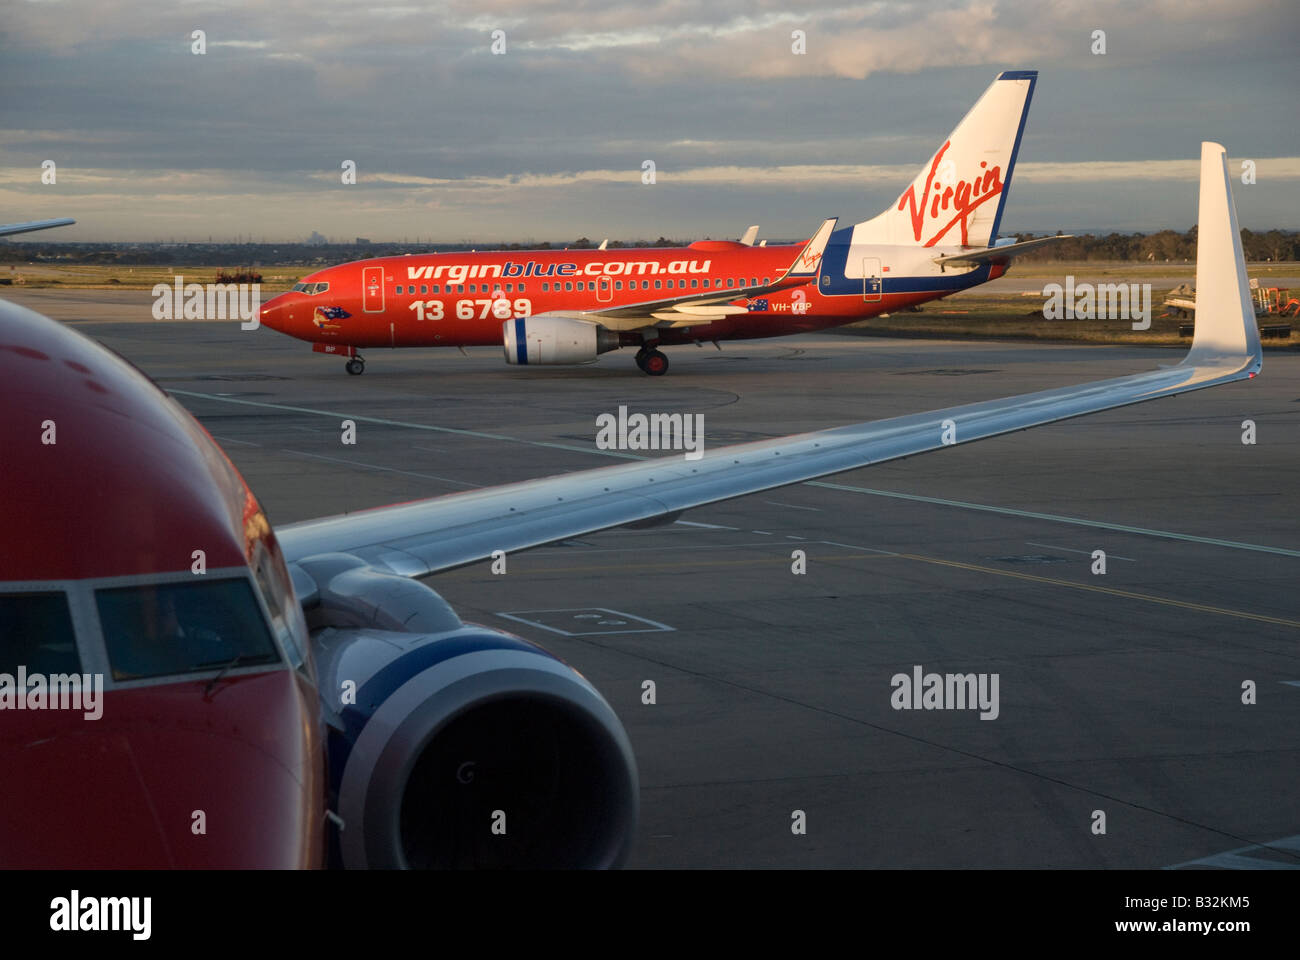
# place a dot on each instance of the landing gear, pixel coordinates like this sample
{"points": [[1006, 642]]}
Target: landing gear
{"points": [[356, 366], [652, 362]]}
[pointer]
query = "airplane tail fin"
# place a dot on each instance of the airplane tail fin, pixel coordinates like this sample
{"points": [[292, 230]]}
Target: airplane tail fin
{"points": [[1225, 314], [958, 196]]}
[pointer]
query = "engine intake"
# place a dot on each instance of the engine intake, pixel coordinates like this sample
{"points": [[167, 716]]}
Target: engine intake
{"points": [[555, 339]]}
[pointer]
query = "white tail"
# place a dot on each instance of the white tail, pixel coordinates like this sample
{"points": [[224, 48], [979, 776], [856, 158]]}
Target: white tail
{"points": [[958, 197]]}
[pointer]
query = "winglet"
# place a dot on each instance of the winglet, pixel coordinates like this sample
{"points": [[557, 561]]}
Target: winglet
{"points": [[1225, 317], [809, 261]]}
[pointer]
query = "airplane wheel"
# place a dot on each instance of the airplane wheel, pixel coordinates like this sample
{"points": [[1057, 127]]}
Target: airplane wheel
{"points": [[655, 363], [356, 366], [640, 360]]}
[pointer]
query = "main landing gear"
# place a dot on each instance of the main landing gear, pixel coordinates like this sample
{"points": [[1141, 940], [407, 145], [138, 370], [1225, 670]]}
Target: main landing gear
{"points": [[652, 362], [356, 366]]}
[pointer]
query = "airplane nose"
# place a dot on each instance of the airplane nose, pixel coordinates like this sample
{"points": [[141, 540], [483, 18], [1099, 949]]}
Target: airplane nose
{"points": [[271, 315]]}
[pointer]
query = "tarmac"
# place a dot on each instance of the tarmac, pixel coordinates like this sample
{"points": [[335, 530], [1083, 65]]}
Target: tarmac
{"points": [[1120, 739]]}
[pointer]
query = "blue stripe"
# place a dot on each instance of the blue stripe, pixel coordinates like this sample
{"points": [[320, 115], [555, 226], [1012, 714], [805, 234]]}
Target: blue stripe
{"points": [[521, 344], [1032, 77], [835, 260]]}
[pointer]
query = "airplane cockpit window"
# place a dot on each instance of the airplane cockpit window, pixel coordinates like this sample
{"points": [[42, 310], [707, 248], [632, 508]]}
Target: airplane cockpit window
{"points": [[36, 632], [311, 289], [160, 629]]}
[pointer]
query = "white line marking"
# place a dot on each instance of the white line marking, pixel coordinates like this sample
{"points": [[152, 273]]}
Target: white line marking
{"points": [[1054, 518], [374, 466], [655, 626], [402, 423], [244, 443], [854, 546], [791, 506], [706, 526], [1086, 553]]}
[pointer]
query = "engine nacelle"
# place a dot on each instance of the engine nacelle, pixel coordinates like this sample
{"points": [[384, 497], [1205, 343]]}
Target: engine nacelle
{"points": [[555, 339], [457, 745]]}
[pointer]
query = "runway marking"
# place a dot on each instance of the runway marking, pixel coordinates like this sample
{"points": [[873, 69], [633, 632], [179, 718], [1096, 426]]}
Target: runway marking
{"points": [[403, 423], [706, 526], [605, 617], [1086, 553], [1112, 591], [1290, 683], [467, 572], [1055, 518], [1241, 858], [245, 443], [375, 466], [791, 506]]}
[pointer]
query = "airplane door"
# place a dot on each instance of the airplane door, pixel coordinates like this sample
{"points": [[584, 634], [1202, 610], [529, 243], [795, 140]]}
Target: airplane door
{"points": [[372, 289], [872, 286], [604, 289]]}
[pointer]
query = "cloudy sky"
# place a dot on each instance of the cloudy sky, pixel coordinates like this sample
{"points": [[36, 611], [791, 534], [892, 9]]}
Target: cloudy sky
{"points": [[547, 140]]}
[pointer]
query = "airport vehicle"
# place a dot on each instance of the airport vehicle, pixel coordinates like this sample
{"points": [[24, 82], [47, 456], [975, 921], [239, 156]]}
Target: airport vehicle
{"points": [[569, 306], [296, 697]]}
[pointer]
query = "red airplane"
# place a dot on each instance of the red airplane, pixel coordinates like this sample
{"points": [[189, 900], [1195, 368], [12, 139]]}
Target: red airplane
{"points": [[181, 685], [569, 306]]}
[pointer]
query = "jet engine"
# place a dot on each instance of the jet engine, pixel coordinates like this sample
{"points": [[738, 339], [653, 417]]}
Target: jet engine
{"points": [[555, 339], [453, 745]]}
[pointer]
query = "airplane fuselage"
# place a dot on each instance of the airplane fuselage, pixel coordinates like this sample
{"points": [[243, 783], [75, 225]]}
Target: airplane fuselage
{"points": [[462, 299]]}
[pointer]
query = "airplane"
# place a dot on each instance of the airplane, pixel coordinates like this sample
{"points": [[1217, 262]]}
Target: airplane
{"points": [[937, 238], [297, 696], [10, 228]]}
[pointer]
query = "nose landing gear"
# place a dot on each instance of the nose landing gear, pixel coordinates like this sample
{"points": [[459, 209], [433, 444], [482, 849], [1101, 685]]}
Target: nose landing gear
{"points": [[356, 366]]}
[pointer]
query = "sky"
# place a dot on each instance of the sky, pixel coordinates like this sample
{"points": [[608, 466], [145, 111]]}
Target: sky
{"points": [[548, 138]]}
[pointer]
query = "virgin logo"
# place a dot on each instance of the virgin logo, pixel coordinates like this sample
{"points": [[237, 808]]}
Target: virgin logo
{"points": [[809, 260], [948, 205]]}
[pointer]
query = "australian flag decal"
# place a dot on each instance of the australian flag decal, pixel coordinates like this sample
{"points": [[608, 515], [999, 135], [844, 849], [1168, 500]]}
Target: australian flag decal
{"points": [[759, 305]]}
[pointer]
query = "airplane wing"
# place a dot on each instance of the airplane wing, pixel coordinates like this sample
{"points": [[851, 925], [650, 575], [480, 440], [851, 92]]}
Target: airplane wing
{"points": [[696, 307], [1000, 254], [7, 228], [426, 536]]}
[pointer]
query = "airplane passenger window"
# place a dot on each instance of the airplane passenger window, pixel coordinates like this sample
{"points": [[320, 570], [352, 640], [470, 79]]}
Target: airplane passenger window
{"points": [[706, 283], [766, 281], [694, 283], [730, 282], [568, 285], [471, 288], [618, 284], [656, 284], [424, 288], [521, 288], [400, 288], [156, 630], [545, 286], [645, 284], [36, 633], [435, 288]]}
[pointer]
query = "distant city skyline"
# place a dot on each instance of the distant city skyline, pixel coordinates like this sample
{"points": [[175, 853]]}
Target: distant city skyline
{"points": [[454, 142]]}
